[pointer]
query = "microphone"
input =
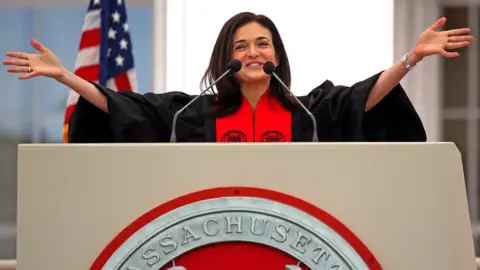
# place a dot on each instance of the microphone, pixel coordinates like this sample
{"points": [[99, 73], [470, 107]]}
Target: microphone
{"points": [[268, 68], [233, 67]]}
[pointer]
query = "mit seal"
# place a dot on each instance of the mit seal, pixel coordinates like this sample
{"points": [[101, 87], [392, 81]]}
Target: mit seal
{"points": [[222, 224]]}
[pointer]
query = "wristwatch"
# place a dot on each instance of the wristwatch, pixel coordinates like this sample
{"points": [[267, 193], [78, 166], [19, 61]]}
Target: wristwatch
{"points": [[406, 63]]}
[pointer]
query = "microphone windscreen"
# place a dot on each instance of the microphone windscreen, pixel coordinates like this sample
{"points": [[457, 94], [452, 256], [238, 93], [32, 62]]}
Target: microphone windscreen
{"points": [[268, 67], [235, 65]]}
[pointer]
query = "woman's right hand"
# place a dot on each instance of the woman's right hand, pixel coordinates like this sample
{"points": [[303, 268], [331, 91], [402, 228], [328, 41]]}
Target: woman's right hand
{"points": [[44, 64], [47, 64]]}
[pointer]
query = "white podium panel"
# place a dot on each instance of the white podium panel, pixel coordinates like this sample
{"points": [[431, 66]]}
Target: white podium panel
{"points": [[403, 204]]}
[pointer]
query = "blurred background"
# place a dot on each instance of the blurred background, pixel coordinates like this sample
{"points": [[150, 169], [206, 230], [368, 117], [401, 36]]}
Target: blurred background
{"points": [[344, 41]]}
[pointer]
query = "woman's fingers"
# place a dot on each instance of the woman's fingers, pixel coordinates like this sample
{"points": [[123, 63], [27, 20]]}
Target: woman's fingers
{"points": [[460, 38], [449, 54], [20, 55], [438, 24], [456, 32], [18, 70], [28, 75], [16, 62], [37, 45], [457, 45]]}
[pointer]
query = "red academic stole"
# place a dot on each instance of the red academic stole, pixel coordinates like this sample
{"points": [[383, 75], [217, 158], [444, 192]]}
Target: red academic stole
{"points": [[270, 122]]}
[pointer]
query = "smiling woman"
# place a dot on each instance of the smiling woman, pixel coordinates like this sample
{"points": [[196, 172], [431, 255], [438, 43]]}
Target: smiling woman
{"points": [[253, 51], [254, 40]]}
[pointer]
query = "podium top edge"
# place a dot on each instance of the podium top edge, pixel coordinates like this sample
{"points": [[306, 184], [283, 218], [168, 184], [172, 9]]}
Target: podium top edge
{"points": [[338, 144]]}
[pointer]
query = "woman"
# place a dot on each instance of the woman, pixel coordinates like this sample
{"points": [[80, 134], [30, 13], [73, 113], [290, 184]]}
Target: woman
{"points": [[250, 105]]}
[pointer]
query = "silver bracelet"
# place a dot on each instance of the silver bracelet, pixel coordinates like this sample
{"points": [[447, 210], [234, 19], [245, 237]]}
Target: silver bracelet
{"points": [[407, 64]]}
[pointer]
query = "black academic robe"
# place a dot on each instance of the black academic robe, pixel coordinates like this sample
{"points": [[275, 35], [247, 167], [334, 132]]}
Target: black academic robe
{"points": [[338, 110]]}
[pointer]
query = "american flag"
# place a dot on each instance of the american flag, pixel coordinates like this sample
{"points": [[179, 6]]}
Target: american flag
{"points": [[105, 51]]}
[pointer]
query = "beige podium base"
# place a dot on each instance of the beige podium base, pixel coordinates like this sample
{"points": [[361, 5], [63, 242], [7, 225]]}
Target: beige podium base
{"points": [[406, 202]]}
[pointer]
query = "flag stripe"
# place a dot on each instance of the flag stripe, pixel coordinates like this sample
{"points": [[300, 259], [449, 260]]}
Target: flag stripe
{"points": [[111, 84], [88, 57], [89, 73], [92, 20], [72, 98], [122, 83], [132, 77], [90, 38], [68, 113]]}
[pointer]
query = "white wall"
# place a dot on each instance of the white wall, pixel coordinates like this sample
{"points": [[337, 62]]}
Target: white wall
{"points": [[344, 40]]}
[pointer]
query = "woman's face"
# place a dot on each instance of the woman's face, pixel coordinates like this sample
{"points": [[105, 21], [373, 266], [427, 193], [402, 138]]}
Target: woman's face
{"points": [[253, 46]]}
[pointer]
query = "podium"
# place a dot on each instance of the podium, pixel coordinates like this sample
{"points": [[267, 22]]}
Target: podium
{"points": [[392, 206]]}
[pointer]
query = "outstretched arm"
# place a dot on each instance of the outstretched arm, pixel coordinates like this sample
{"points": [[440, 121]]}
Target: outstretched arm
{"points": [[84, 88], [48, 65], [432, 41]]}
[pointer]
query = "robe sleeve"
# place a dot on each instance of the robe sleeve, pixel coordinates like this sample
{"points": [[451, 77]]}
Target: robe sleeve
{"points": [[340, 114], [131, 117]]}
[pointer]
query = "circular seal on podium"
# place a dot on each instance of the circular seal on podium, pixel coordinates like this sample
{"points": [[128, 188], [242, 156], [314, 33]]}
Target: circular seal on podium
{"points": [[236, 228]]}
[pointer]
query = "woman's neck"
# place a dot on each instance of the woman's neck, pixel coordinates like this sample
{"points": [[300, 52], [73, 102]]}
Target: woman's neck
{"points": [[254, 92]]}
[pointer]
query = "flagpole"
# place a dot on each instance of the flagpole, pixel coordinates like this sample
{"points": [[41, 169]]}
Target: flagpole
{"points": [[159, 46]]}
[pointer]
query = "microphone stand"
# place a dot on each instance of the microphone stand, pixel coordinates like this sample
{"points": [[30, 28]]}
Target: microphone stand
{"points": [[173, 136], [314, 122]]}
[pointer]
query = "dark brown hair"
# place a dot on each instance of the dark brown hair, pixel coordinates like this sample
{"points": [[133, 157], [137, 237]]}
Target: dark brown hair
{"points": [[228, 89]]}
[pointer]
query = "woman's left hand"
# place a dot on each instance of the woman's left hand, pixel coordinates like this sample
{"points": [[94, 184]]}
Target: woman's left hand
{"points": [[433, 41]]}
